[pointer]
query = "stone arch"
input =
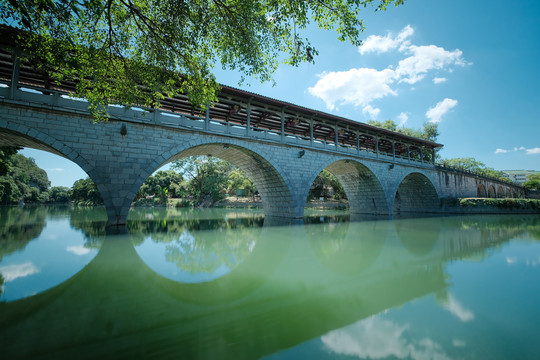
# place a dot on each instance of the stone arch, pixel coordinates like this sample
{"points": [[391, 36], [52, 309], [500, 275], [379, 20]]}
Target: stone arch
{"points": [[416, 193], [481, 191], [508, 193], [361, 185], [32, 138], [267, 177], [491, 191], [500, 192]]}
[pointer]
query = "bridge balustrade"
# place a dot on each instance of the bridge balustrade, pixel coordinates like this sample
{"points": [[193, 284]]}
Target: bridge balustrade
{"points": [[237, 113], [56, 98]]}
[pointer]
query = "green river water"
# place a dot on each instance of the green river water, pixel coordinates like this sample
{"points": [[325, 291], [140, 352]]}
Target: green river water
{"points": [[232, 284]]}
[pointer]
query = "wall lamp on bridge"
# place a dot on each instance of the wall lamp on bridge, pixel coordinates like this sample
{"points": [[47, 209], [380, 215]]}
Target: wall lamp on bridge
{"points": [[390, 167], [301, 153], [123, 130]]}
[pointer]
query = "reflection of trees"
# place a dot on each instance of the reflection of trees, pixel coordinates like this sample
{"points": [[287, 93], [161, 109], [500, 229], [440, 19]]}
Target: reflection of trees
{"points": [[208, 251], [326, 219], [18, 226], [469, 237], [92, 222], [165, 225], [200, 245]]}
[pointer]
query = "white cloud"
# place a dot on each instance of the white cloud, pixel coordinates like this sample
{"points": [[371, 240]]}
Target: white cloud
{"points": [[459, 343], [12, 272], [511, 260], [439, 80], [78, 250], [426, 58], [402, 117], [356, 86], [376, 338], [371, 111], [435, 113], [531, 151], [456, 309], [55, 169], [361, 86], [380, 44]]}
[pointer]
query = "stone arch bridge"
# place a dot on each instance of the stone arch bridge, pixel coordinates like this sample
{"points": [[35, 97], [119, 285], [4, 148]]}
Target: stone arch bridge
{"points": [[281, 146]]}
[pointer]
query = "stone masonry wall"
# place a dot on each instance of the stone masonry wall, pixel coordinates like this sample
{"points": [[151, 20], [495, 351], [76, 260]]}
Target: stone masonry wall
{"points": [[282, 173]]}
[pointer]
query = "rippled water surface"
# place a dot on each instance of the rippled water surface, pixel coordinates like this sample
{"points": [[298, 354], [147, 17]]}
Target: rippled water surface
{"points": [[232, 284]]}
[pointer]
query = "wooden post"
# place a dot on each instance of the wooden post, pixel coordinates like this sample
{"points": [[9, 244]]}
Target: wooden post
{"points": [[207, 118], [311, 131], [14, 74], [282, 125], [248, 119]]}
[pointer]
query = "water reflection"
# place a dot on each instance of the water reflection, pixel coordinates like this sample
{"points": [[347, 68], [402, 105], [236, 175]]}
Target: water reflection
{"points": [[18, 227], [38, 250], [196, 249], [326, 289]]}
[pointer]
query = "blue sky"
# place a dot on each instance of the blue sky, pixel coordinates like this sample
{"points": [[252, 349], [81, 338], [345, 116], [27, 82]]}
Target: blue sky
{"points": [[471, 66]]}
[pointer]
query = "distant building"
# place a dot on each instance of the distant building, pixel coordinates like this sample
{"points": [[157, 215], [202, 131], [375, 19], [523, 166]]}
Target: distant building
{"points": [[519, 176]]}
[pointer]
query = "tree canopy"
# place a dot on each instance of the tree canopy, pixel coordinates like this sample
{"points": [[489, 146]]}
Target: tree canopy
{"points": [[533, 182], [475, 166], [138, 51], [430, 131]]}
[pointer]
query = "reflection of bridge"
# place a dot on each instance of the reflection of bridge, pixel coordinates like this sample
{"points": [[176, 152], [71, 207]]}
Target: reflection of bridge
{"points": [[282, 147], [295, 286]]}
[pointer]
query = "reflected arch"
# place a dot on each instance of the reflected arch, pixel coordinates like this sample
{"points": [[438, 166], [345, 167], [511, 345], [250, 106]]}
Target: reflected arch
{"points": [[350, 247], [47, 143], [416, 193], [481, 191], [491, 192], [266, 176], [361, 185], [418, 236]]}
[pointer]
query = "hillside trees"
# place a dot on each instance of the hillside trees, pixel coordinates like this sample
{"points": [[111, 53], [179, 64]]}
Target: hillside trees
{"points": [[138, 51], [5, 155], [24, 181]]}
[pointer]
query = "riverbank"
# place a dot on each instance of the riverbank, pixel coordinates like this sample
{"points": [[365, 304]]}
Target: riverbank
{"points": [[447, 206], [497, 206], [249, 202]]}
